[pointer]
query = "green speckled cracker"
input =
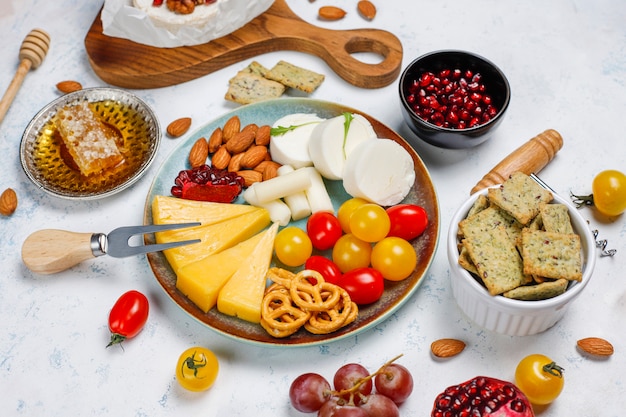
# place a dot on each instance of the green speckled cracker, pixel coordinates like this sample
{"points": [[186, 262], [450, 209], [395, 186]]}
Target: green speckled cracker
{"points": [[537, 292], [556, 218], [295, 77], [246, 87], [551, 255], [520, 196]]}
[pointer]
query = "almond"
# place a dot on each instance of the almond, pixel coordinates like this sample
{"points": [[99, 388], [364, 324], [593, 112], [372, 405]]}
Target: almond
{"points": [[261, 167], [235, 162], [270, 171], [69, 86], [8, 202], [446, 348], [199, 153], [251, 127], [366, 9], [596, 346], [253, 156], [240, 142], [215, 140], [263, 135], [331, 13], [179, 126], [221, 158], [250, 177], [231, 127]]}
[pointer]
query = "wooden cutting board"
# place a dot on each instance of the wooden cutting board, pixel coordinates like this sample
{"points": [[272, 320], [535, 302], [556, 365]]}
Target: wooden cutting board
{"points": [[128, 64]]}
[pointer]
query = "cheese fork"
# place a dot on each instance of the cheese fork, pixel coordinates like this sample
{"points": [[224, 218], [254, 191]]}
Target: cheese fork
{"points": [[49, 251]]}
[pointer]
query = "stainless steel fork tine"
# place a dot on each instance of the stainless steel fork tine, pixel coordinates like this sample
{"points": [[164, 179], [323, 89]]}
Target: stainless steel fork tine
{"points": [[118, 246]]}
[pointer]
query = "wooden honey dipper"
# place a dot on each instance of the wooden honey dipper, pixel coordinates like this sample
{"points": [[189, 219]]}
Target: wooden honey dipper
{"points": [[32, 53], [529, 158]]}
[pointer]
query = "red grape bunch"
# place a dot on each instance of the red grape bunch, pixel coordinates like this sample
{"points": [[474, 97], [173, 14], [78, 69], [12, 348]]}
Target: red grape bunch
{"points": [[357, 393]]}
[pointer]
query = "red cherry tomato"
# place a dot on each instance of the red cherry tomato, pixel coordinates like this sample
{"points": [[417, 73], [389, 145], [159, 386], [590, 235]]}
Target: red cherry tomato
{"points": [[324, 229], [128, 316], [364, 285], [327, 268], [408, 221]]}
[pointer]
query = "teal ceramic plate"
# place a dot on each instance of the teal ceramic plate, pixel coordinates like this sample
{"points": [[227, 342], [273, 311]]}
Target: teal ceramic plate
{"points": [[396, 293]]}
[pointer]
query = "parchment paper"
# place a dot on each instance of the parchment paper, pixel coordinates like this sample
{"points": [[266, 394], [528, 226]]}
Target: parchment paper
{"points": [[120, 19]]}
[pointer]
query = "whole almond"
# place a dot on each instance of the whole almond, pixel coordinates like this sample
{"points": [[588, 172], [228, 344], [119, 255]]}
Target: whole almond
{"points": [[221, 158], [198, 153], [263, 135], [8, 202], [240, 142], [270, 171], [215, 140], [262, 166], [596, 346], [366, 9], [231, 128], [250, 176], [69, 86], [251, 127], [179, 127], [331, 13], [254, 156], [446, 348], [235, 162]]}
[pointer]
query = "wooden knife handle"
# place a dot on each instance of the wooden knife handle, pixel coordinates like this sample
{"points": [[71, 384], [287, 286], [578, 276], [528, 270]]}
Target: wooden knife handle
{"points": [[50, 251], [531, 157]]}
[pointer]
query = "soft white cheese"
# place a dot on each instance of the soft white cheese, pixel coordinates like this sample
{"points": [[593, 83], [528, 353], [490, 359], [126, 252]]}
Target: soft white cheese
{"points": [[380, 171], [292, 147], [164, 17], [330, 145]]}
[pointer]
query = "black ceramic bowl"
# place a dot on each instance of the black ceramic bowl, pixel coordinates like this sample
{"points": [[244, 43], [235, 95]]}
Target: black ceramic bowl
{"points": [[492, 83]]}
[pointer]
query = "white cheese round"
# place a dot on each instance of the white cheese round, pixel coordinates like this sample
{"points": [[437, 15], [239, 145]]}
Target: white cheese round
{"points": [[380, 171], [330, 144], [292, 147]]}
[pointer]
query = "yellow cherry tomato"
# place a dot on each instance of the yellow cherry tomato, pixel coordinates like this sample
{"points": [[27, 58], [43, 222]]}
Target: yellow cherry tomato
{"points": [[351, 252], [370, 222], [394, 258], [293, 246], [197, 369], [609, 192], [345, 212], [539, 378]]}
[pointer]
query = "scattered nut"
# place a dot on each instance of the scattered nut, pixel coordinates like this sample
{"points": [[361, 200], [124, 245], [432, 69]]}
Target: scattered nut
{"points": [[178, 127], [199, 153], [231, 128], [446, 348], [331, 13], [366, 9], [235, 162], [69, 86], [596, 346], [270, 171], [8, 202]]}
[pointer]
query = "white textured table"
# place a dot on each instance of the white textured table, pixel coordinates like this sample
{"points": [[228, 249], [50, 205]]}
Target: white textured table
{"points": [[566, 64]]}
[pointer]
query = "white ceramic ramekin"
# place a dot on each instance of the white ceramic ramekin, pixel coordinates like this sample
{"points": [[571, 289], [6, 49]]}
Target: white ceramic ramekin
{"points": [[508, 316]]}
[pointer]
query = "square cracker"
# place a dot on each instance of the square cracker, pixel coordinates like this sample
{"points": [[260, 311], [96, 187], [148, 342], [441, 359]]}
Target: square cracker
{"points": [[520, 196], [256, 68], [556, 218], [494, 216], [495, 257], [295, 77], [551, 255], [246, 87], [543, 291]]}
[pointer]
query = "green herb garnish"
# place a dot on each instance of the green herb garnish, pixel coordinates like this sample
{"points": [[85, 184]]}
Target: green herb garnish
{"points": [[346, 127], [281, 130]]}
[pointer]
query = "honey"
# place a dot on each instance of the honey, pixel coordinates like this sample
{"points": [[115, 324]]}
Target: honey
{"points": [[134, 135]]}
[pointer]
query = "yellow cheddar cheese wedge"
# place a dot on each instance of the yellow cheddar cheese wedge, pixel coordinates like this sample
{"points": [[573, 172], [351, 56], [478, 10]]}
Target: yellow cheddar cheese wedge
{"points": [[214, 237], [201, 281], [168, 210], [242, 295]]}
